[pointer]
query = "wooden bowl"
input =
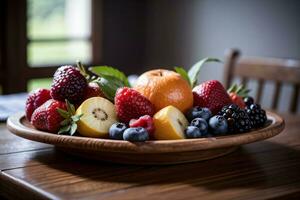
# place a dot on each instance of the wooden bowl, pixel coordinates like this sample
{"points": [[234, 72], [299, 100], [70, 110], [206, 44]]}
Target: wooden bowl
{"points": [[150, 152]]}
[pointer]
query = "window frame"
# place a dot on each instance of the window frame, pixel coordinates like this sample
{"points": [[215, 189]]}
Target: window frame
{"points": [[14, 41]]}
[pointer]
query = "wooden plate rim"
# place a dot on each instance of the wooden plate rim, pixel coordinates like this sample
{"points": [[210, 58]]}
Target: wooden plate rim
{"points": [[15, 125]]}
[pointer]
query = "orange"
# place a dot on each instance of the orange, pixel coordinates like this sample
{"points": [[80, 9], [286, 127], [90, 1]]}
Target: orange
{"points": [[164, 88]]}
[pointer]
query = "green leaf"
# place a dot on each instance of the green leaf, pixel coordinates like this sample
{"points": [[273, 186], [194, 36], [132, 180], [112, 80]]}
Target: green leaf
{"points": [[195, 69], [109, 86], [65, 122], [232, 88], [106, 72], [183, 73], [73, 128], [76, 118], [63, 113], [70, 108], [240, 90], [64, 129]]}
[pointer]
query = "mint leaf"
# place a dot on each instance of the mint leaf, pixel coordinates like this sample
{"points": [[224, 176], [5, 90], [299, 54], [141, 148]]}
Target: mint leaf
{"points": [[195, 69], [183, 73], [109, 86], [106, 71]]}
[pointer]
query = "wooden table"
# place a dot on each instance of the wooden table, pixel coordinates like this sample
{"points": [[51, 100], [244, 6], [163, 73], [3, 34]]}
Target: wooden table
{"points": [[262, 170]]}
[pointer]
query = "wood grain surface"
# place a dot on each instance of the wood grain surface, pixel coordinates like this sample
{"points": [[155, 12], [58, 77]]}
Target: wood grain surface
{"points": [[263, 170], [157, 152]]}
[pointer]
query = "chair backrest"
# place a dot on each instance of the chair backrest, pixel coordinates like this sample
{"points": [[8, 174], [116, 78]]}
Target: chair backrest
{"points": [[264, 69]]}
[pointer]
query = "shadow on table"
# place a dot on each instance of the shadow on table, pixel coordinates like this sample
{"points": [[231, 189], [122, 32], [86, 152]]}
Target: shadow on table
{"points": [[251, 166]]}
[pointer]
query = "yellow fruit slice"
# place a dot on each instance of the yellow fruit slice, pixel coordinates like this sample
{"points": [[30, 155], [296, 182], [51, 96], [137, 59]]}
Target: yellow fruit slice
{"points": [[98, 116], [169, 124]]}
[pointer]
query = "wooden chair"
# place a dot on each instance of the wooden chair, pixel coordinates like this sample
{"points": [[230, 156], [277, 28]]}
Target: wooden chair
{"points": [[276, 70]]}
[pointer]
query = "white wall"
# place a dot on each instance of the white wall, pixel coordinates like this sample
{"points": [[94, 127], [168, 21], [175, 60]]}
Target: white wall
{"points": [[182, 32]]}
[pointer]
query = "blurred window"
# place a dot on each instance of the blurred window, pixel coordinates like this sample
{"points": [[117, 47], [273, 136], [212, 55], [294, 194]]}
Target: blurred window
{"points": [[58, 32]]}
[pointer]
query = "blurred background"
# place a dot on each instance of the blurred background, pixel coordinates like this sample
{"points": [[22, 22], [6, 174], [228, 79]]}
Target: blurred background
{"points": [[37, 36]]}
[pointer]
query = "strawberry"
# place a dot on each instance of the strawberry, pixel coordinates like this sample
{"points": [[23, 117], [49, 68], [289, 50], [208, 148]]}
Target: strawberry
{"points": [[68, 83], [35, 99], [146, 122], [92, 90], [56, 117], [46, 117], [211, 94], [130, 104], [237, 94]]}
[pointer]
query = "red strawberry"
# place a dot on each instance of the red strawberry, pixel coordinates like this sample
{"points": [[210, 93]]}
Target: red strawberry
{"points": [[237, 94], [93, 90], [146, 122], [130, 104], [211, 94], [46, 117], [35, 99], [236, 99], [68, 83]]}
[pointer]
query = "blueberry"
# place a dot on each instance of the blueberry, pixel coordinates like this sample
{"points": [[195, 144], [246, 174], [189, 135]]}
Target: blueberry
{"points": [[198, 112], [116, 131], [218, 125], [136, 134], [201, 124], [193, 132]]}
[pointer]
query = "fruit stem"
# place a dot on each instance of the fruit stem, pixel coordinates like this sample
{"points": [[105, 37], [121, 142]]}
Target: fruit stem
{"points": [[82, 70]]}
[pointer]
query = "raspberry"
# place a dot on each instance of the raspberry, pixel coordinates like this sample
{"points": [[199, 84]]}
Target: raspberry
{"points": [[68, 83], [146, 122], [130, 104], [35, 99]]}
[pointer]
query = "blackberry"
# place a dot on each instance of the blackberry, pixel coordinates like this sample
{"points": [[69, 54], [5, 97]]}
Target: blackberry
{"points": [[248, 100], [257, 115], [237, 119]]}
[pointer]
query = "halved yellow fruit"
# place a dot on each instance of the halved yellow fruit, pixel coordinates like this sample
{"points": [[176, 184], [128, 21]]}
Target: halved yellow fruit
{"points": [[98, 116], [170, 124]]}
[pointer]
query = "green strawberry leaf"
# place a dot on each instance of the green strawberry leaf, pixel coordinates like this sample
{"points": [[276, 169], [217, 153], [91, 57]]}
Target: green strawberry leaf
{"points": [[70, 108], [109, 86], [76, 118], [68, 124], [63, 113], [64, 129], [65, 122], [195, 69], [73, 128], [232, 88], [240, 90], [106, 71], [183, 73]]}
